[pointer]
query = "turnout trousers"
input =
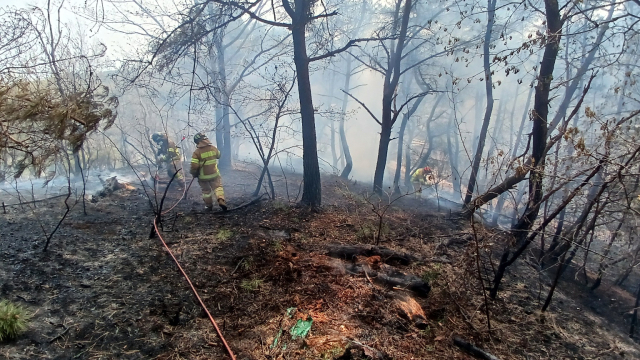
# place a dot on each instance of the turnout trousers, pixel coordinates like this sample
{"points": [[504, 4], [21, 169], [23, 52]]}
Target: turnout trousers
{"points": [[210, 188]]}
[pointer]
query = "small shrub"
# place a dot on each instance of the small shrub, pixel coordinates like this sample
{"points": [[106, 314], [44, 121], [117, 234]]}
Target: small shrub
{"points": [[279, 205], [432, 275], [332, 353], [277, 246], [366, 232], [13, 320], [250, 285], [247, 264], [224, 234], [369, 231]]}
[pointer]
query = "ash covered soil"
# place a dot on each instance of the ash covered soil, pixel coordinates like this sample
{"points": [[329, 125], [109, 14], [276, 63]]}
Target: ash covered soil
{"points": [[105, 290]]}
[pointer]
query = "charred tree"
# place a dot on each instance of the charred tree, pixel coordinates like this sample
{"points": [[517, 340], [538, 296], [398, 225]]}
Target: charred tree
{"points": [[475, 166], [346, 152], [539, 136], [391, 79]]}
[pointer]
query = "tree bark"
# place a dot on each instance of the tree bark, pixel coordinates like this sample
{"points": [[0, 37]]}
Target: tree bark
{"points": [[422, 162], [311, 191], [391, 80], [225, 102], [343, 136], [491, 7], [403, 127], [453, 157]]}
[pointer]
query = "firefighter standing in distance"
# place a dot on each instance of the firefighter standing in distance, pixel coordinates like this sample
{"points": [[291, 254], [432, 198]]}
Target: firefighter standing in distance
{"points": [[421, 178], [169, 155], [204, 166]]}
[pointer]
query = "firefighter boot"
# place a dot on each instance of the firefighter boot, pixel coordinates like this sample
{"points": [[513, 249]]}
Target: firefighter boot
{"points": [[223, 204]]}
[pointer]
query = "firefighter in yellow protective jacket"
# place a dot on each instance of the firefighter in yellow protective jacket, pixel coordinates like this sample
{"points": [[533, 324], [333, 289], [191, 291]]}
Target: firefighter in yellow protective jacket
{"points": [[421, 179], [168, 155], [204, 166]]}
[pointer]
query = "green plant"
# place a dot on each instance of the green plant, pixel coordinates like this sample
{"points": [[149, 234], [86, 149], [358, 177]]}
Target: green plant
{"points": [[13, 320], [224, 234], [247, 264], [250, 285], [368, 231], [432, 274], [426, 332], [279, 205], [332, 353], [277, 246]]}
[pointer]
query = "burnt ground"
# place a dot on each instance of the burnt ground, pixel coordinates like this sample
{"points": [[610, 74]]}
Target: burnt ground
{"points": [[105, 290]]}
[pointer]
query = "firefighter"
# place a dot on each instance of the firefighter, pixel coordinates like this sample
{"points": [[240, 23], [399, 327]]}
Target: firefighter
{"points": [[204, 166], [168, 155], [421, 178]]}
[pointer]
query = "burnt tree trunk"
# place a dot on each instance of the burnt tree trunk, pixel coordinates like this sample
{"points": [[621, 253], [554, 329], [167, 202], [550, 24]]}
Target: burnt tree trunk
{"points": [[491, 8], [225, 102], [422, 162], [403, 127], [539, 135], [634, 319], [392, 77], [453, 157], [346, 152], [603, 266], [311, 192]]}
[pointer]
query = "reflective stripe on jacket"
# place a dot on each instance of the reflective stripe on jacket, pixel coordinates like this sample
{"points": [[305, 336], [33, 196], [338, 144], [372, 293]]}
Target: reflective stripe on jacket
{"points": [[204, 161], [417, 175], [168, 152], [422, 177]]}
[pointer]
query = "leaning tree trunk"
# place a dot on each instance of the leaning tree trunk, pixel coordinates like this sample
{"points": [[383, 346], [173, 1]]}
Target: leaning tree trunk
{"points": [[491, 8], [603, 265]]}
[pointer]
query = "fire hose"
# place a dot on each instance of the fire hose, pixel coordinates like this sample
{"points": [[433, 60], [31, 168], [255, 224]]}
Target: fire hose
{"points": [[195, 292]]}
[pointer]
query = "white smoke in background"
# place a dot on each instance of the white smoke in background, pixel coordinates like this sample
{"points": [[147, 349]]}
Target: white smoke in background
{"points": [[28, 188]]}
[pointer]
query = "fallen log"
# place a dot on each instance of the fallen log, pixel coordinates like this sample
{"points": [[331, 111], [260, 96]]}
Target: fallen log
{"points": [[411, 310], [36, 201], [350, 252], [222, 213], [112, 185], [473, 350], [390, 277]]}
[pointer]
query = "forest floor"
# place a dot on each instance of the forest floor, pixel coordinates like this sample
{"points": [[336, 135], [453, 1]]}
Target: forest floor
{"points": [[105, 290]]}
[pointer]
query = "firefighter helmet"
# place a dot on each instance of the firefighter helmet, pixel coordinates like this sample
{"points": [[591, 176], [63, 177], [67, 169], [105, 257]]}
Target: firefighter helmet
{"points": [[427, 169], [199, 137], [158, 137]]}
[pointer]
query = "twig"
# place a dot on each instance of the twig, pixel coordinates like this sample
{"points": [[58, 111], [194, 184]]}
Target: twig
{"points": [[46, 245], [33, 201], [237, 266], [484, 290], [473, 350], [368, 278], [66, 329]]}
